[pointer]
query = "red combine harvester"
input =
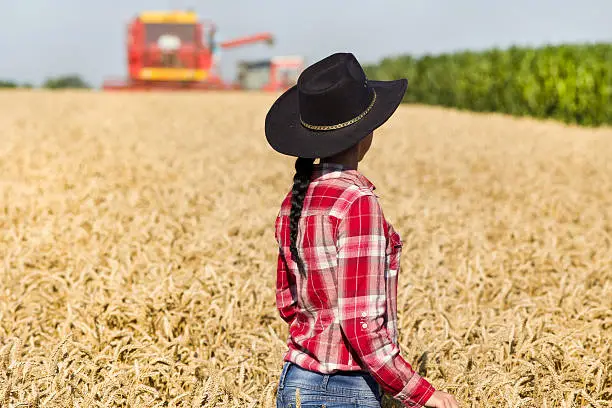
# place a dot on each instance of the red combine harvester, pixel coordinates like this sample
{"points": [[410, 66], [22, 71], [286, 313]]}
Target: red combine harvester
{"points": [[166, 51]]}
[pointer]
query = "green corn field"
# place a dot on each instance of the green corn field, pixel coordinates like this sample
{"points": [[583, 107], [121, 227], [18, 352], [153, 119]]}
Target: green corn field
{"points": [[569, 83]]}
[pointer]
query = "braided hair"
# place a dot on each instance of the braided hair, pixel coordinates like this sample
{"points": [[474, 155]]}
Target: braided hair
{"points": [[301, 180]]}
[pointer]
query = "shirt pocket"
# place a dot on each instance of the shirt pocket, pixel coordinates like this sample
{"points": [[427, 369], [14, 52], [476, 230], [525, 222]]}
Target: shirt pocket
{"points": [[394, 251]]}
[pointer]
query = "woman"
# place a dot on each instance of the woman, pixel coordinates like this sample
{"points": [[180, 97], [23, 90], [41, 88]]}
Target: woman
{"points": [[338, 256]]}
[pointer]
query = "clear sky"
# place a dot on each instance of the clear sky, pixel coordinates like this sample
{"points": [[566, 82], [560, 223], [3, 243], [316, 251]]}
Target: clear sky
{"points": [[40, 38]]}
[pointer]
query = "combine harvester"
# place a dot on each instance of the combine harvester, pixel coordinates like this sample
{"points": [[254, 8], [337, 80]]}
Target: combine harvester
{"points": [[166, 52]]}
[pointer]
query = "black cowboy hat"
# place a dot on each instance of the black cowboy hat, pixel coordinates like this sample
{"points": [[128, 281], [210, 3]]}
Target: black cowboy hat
{"points": [[331, 108]]}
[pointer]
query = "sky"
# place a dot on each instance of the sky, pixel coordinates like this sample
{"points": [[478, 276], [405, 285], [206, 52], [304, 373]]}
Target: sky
{"points": [[42, 38]]}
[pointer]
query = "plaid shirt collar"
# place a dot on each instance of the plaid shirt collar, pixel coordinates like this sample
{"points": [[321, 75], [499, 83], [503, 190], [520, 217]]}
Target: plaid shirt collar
{"points": [[324, 171]]}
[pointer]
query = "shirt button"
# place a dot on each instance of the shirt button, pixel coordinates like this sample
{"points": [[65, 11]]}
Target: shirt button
{"points": [[364, 326], [363, 314]]}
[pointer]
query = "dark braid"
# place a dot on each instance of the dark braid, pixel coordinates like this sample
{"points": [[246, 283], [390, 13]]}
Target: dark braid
{"points": [[301, 180]]}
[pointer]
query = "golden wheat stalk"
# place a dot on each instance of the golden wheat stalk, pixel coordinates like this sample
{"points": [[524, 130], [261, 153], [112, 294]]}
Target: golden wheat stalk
{"points": [[139, 265]]}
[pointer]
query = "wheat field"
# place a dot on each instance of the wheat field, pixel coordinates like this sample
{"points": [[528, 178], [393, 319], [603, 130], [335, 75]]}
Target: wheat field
{"points": [[138, 254]]}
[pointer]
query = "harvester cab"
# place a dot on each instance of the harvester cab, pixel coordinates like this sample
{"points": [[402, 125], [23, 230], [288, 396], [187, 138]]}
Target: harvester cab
{"points": [[164, 47]]}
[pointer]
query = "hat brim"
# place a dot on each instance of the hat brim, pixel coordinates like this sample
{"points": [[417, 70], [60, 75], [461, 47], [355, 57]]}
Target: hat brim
{"points": [[288, 136]]}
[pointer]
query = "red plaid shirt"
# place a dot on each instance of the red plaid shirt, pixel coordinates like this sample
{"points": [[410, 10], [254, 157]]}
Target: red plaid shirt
{"points": [[343, 315]]}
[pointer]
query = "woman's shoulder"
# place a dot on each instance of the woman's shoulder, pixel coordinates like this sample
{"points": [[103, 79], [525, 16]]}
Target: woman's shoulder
{"points": [[357, 201], [334, 197]]}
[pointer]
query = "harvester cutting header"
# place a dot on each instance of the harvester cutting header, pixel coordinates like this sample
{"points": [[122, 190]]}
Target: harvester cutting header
{"points": [[174, 50]]}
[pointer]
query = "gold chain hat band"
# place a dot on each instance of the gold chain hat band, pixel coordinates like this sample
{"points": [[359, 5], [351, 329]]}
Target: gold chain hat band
{"points": [[343, 124]]}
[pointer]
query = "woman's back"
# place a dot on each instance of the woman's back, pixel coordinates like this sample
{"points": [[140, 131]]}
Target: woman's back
{"points": [[347, 300], [313, 310]]}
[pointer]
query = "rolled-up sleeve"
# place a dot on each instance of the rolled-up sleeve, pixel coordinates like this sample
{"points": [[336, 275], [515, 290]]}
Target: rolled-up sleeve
{"points": [[362, 302]]}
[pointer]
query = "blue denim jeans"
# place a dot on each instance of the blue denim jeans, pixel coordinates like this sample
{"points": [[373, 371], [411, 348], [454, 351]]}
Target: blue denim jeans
{"points": [[341, 390]]}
